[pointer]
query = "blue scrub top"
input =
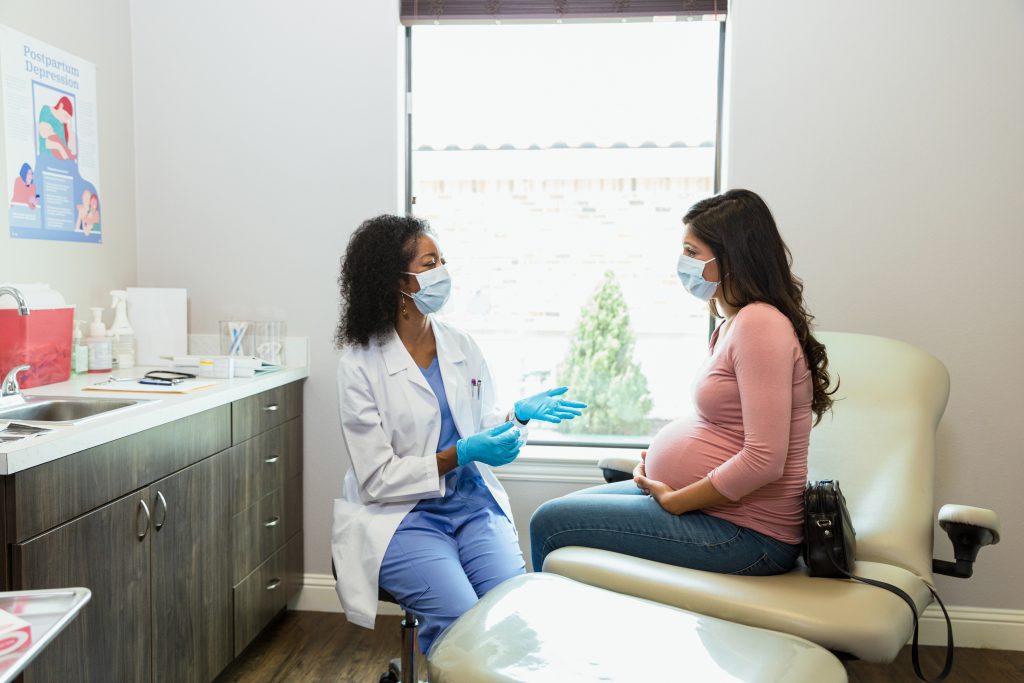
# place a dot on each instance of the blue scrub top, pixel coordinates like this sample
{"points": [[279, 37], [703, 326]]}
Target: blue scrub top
{"points": [[449, 433]]}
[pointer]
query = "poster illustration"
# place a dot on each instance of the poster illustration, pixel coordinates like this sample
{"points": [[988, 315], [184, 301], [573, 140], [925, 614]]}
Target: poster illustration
{"points": [[51, 150]]}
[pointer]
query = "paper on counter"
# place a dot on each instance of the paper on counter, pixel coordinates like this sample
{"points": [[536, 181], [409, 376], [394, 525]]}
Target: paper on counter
{"points": [[182, 387]]}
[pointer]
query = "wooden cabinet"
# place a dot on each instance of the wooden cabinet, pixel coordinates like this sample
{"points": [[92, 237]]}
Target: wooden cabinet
{"points": [[190, 579], [188, 536], [103, 551], [266, 501]]}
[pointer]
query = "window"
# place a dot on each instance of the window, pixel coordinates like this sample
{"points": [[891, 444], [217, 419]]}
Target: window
{"points": [[555, 163]]}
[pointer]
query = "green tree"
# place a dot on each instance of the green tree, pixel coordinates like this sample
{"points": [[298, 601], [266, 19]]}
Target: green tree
{"points": [[600, 369]]}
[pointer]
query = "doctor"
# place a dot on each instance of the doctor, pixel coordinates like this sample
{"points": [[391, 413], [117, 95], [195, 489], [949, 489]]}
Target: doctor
{"points": [[421, 515]]}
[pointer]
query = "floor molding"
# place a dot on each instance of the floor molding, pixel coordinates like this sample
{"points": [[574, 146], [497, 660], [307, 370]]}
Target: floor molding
{"points": [[977, 627]]}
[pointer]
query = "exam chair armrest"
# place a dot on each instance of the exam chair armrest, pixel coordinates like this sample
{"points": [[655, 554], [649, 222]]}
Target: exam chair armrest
{"points": [[618, 468], [969, 529]]}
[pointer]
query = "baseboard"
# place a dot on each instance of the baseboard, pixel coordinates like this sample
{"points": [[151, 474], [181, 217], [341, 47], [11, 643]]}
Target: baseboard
{"points": [[976, 627], [987, 628], [318, 595]]}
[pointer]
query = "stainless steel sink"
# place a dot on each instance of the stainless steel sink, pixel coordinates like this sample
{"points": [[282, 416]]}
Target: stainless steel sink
{"points": [[64, 409]]}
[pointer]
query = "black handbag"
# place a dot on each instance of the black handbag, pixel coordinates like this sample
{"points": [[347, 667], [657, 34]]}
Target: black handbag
{"points": [[830, 548], [830, 542]]}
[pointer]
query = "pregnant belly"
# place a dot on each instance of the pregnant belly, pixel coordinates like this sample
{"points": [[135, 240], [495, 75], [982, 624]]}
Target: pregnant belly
{"points": [[684, 451]]}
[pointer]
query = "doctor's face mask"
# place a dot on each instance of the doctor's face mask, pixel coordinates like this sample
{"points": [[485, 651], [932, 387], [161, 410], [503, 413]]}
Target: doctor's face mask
{"points": [[435, 288]]}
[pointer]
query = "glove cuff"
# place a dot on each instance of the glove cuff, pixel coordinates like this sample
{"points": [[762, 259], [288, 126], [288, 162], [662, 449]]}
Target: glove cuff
{"points": [[460, 451], [515, 415]]}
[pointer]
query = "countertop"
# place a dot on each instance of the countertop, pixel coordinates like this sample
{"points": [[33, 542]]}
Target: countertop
{"points": [[160, 409]]}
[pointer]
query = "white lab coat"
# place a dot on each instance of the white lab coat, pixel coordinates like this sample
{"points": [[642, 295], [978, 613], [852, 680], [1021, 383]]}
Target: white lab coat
{"points": [[390, 421]]}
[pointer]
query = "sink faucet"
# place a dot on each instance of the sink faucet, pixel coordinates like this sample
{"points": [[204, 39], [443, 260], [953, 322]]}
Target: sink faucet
{"points": [[22, 306], [10, 386]]}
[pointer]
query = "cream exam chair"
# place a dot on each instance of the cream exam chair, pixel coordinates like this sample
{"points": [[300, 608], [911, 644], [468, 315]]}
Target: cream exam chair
{"points": [[880, 444]]}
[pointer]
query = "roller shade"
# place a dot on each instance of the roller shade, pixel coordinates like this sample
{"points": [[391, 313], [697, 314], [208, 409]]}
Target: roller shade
{"points": [[456, 11]]}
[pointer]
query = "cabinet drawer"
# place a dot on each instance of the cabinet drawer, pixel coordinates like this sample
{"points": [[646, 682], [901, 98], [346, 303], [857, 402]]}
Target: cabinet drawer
{"points": [[261, 464], [260, 596], [255, 414], [44, 496], [258, 532], [293, 505]]}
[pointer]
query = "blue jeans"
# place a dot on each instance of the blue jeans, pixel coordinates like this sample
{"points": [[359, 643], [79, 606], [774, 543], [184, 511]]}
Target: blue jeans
{"points": [[448, 552], [620, 518]]}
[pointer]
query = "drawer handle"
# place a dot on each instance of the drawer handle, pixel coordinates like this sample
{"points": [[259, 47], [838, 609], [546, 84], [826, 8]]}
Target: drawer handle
{"points": [[272, 459], [271, 408], [274, 583], [145, 510], [272, 522]]}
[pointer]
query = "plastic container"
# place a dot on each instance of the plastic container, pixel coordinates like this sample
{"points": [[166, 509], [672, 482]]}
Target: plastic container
{"points": [[236, 338], [41, 339], [269, 340], [101, 347], [124, 336], [79, 351]]}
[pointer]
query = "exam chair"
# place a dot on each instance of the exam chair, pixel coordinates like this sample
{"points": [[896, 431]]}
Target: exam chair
{"points": [[879, 443]]}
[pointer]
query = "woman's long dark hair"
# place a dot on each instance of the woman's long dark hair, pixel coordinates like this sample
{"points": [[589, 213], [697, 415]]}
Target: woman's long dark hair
{"points": [[755, 265], [377, 257]]}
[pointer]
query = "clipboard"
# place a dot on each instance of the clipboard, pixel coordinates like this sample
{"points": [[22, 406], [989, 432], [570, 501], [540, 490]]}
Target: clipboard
{"points": [[137, 387]]}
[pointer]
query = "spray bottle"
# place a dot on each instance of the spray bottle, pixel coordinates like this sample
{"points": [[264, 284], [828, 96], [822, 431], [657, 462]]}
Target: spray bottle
{"points": [[99, 343], [121, 330], [79, 351]]}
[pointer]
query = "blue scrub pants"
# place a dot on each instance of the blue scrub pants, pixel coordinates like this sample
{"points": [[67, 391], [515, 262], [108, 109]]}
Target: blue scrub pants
{"points": [[621, 518], [448, 552]]}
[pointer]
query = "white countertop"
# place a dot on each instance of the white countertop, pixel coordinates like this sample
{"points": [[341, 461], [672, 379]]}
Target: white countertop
{"points": [[160, 409]]}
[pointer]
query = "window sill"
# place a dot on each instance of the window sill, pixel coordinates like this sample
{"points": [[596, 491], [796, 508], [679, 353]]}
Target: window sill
{"points": [[565, 464]]}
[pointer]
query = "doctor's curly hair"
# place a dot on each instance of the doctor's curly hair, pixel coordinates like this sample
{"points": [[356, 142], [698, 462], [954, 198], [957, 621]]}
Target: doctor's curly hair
{"points": [[377, 256]]}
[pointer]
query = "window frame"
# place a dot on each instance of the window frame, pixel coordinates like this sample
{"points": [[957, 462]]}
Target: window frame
{"points": [[577, 440]]}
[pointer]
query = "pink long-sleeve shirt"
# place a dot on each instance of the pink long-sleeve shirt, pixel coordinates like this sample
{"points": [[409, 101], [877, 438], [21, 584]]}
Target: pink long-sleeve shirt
{"points": [[750, 428]]}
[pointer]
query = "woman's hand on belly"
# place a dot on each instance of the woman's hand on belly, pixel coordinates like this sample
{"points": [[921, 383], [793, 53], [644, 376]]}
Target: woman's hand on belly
{"points": [[659, 491], [640, 470], [696, 496]]}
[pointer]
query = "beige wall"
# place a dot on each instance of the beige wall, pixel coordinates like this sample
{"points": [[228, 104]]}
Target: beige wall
{"points": [[887, 139], [282, 135], [98, 31]]}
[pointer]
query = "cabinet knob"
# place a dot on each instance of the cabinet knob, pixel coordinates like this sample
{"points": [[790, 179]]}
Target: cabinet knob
{"points": [[272, 522], [271, 408], [274, 583], [272, 459]]}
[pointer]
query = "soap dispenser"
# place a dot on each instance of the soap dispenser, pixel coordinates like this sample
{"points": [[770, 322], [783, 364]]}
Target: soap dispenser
{"points": [[121, 330], [79, 351], [100, 359]]}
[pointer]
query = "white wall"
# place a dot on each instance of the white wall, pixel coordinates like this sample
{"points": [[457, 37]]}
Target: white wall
{"points": [[265, 133], [99, 32], [887, 139]]}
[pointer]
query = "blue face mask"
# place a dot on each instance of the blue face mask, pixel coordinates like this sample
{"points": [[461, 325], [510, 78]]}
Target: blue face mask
{"points": [[691, 274], [435, 287]]}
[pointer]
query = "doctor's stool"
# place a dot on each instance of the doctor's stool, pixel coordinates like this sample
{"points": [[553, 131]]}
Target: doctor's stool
{"points": [[400, 670]]}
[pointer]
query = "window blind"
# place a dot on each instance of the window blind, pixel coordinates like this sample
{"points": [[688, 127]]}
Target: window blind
{"points": [[457, 11]]}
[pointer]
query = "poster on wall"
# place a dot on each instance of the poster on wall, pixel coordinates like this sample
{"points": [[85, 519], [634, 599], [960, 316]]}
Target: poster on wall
{"points": [[51, 149]]}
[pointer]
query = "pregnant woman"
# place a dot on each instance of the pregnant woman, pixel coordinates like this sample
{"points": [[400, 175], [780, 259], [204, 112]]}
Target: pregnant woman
{"points": [[722, 489]]}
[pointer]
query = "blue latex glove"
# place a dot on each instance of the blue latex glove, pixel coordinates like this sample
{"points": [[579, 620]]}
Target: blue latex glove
{"points": [[547, 407], [497, 446]]}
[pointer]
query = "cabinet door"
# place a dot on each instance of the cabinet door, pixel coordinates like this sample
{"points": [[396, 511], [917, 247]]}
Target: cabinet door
{"points": [[191, 572], [102, 551]]}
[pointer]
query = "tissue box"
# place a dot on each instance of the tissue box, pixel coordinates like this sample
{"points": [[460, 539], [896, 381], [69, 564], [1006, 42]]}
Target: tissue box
{"points": [[41, 339], [15, 633]]}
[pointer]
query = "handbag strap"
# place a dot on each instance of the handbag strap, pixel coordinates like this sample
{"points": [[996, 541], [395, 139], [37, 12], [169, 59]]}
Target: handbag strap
{"points": [[915, 658]]}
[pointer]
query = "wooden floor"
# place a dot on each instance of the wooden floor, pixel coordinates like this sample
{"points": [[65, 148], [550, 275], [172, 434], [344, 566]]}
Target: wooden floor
{"points": [[309, 647]]}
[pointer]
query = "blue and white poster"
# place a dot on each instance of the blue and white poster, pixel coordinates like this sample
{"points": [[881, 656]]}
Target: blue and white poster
{"points": [[51, 150]]}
